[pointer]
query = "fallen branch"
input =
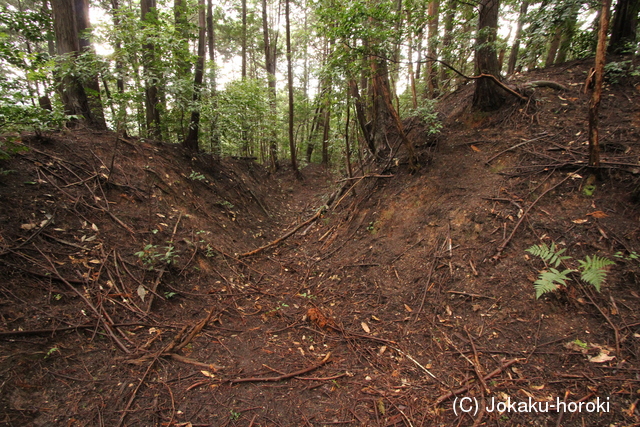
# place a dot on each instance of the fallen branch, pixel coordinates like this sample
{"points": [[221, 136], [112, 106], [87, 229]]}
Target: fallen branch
{"points": [[545, 83], [504, 244], [283, 238], [107, 325], [468, 386], [283, 376]]}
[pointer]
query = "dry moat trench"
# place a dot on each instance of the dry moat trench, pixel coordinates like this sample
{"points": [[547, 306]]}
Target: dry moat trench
{"points": [[125, 298]]}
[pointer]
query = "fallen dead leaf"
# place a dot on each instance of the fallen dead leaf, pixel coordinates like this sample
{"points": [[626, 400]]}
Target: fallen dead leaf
{"points": [[598, 214], [365, 327]]}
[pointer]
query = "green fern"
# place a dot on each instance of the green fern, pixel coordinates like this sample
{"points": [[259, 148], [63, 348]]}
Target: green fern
{"points": [[594, 270], [549, 254], [549, 281]]}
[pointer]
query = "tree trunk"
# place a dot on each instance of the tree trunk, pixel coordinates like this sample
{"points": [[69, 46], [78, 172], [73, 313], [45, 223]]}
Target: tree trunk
{"points": [[121, 118], [568, 31], [68, 44], [211, 44], [594, 103], [292, 142], [553, 47], [513, 56], [151, 74], [91, 82], [270, 49], [487, 95], [431, 73], [191, 141], [624, 26], [244, 38], [447, 39]]}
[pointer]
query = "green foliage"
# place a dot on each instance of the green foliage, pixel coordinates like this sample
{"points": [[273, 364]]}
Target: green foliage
{"points": [[616, 72], [196, 176], [550, 280], [151, 254], [593, 270], [550, 254]]}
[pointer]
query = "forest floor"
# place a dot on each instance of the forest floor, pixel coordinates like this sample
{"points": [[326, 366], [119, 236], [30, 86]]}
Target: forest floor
{"points": [[127, 297]]}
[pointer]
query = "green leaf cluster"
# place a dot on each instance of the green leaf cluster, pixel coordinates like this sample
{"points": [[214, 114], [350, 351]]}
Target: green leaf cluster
{"points": [[550, 254], [593, 269]]}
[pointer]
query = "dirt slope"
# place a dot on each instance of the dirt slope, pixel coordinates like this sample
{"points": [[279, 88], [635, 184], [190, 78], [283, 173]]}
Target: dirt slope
{"points": [[380, 313]]}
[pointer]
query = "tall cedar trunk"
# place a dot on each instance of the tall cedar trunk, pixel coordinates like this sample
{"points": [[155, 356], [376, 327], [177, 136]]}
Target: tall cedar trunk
{"points": [[182, 62], [191, 141], [385, 115], [410, 74], [419, 49], [270, 48], [447, 39], [346, 136], [568, 31], [487, 96], [72, 92], [431, 73], [553, 47], [513, 56], [91, 82], [292, 142], [181, 49], [394, 74], [594, 103], [361, 116], [122, 113], [244, 38], [624, 26], [149, 58], [211, 44], [325, 134]]}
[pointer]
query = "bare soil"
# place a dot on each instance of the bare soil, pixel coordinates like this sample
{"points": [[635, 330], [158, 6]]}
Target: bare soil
{"points": [[126, 298]]}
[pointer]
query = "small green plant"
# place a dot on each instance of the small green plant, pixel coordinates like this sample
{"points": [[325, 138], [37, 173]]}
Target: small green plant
{"points": [[226, 204], [196, 176], [593, 269], [307, 295], [57, 297], [580, 343], [151, 254], [235, 416], [549, 254], [169, 295], [51, 351], [633, 256]]}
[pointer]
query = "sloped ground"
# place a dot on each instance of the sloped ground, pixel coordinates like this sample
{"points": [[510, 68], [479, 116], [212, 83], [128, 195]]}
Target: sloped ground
{"points": [[382, 312]]}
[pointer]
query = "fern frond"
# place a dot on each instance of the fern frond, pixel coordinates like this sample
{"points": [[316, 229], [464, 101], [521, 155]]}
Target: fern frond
{"points": [[551, 255], [549, 281], [594, 270]]}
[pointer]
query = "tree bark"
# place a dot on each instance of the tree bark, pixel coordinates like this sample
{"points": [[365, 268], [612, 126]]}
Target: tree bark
{"points": [[270, 50], [515, 48], [151, 74], [68, 44], [292, 142], [624, 26], [211, 44], [244, 38], [594, 103], [553, 47], [447, 40], [431, 73], [487, 95], [191, 141]]}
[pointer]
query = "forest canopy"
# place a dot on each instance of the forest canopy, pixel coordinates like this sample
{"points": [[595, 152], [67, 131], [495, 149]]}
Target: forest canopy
{"points": [[278, 79]]}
